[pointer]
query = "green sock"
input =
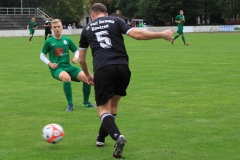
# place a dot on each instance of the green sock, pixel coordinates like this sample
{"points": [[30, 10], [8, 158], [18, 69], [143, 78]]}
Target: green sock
{"points": [[86, 88], [67, 88], [176, 37], [183, 39], [31, 39]]}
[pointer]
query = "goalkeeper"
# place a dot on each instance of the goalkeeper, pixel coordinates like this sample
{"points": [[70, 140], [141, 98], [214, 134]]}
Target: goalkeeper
{"points": [[180, 19]]}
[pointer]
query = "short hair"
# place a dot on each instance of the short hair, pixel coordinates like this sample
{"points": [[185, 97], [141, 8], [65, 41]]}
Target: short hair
{"points": [[56, 21], [98, 7]]}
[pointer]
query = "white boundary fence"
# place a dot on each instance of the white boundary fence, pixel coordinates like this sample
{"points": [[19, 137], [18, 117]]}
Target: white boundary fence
{"points": [[187, 29]]}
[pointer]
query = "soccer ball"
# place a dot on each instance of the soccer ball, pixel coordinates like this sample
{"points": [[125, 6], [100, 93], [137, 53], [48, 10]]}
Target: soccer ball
{"points": [[52, 133]]}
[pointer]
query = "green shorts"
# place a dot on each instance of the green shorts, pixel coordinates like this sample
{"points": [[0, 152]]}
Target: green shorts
{"points": [[180, 30], [71, 70], [31, 32]]}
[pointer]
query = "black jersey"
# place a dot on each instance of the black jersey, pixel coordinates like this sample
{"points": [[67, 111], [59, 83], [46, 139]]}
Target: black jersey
{"points": [[104, 35], [49, 25]]}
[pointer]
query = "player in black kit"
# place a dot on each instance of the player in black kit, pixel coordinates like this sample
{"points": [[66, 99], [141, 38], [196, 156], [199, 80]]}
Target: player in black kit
{"points": [[110, 65], [47, 25]]}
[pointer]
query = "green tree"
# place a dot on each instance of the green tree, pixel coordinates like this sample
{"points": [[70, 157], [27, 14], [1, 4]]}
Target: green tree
{"points": [[232, 8], [67, 10], [128, 8], [158, 12], [110, 4]]}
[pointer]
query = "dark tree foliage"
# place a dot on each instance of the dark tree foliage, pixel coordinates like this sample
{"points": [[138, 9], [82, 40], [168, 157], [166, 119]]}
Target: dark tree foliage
{"points": [[157, 12], [128, 8], [66, 10], [110, 4]]}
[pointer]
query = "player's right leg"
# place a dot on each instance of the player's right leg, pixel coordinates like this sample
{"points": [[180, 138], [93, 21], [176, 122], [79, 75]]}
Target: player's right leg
{"points": [[67, 88], [102, 134]]}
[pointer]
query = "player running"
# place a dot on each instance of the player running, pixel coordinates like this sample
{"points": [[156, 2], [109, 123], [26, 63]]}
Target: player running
{"points": [[32, 26], [180, 19]]}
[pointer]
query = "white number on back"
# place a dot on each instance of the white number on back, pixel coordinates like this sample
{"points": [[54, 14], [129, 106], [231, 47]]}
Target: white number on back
{"points": [[105, 42]]}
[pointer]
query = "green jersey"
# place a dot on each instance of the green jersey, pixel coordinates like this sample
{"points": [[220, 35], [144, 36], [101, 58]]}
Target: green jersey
{"points": [[58, 50], [179, 18], [32, 25]]}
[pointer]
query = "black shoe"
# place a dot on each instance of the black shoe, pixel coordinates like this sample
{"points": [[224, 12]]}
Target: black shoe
{"points": [[118, 147]]}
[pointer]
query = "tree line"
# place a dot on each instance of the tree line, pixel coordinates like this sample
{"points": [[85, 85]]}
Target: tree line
{"points": [[157, 12]]}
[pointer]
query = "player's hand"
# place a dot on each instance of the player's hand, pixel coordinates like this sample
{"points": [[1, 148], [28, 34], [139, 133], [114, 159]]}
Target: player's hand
{"points": [[90, 80], [53, 65], [168, 35], [74, 60]]}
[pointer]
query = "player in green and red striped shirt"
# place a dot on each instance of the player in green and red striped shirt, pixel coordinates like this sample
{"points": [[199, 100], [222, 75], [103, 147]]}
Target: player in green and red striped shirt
{"points": [[180, 19]]}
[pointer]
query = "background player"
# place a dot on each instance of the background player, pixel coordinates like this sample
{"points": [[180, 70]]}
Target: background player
{"points": [[58, 48], [47, 25], [180, 19], [32, 26]]}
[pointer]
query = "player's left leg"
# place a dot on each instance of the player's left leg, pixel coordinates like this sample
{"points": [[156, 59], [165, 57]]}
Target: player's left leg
{"points": [[30, 37], [184, 41], [183, 38], [86, 89], [78, 75]]}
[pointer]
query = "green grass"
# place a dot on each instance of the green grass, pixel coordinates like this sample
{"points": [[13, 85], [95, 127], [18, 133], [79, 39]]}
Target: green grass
{"points": [[182, 104]]}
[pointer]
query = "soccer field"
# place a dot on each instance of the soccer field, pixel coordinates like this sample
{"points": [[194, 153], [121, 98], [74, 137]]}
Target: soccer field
{"points": [[182, 104]]}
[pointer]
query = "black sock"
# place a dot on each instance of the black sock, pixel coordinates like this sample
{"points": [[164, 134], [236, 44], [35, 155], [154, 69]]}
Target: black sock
{"points": [[45, 38], [102, 134], [110, 126]]}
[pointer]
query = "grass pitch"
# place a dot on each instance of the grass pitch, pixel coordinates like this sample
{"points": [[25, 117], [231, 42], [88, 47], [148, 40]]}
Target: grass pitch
{"points": [[182, 104]]}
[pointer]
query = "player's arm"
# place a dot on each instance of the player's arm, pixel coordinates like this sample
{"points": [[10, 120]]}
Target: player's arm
{"points": [[35, 27], [75, 51], [177, 21], [83, 62], [44, 58], [76, 56], [147, 35], [84, 65], [27, 26]]}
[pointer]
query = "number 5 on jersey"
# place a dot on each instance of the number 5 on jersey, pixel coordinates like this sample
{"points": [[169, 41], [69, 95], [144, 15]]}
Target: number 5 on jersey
{"points": [[105, 42]]}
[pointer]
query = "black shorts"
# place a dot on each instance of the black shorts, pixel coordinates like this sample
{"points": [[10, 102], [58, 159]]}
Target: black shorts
{"points": [[111, 80], [48, 31]]}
